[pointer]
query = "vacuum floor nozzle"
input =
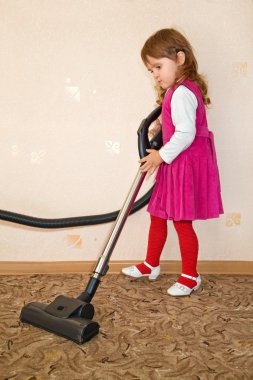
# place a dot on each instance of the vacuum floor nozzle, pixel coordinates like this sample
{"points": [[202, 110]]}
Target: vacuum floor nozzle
{"points": [[65, 316]]}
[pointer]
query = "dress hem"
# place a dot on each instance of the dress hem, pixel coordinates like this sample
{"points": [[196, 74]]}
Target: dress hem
{"points": [[177, 219]]}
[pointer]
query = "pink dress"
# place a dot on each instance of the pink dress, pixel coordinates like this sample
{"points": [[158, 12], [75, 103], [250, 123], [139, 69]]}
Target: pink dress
{"points": [[189, 187]]}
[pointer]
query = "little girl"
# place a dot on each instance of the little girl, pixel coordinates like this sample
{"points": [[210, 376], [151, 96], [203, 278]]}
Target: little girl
{"points": [[187, 183]]}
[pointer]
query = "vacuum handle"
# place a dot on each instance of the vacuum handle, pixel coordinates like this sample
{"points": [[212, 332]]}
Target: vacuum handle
{"points": [[102, 265], [143, 144]]}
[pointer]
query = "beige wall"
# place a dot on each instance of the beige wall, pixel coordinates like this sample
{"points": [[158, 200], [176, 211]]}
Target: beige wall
{"points": [[73, 92]]}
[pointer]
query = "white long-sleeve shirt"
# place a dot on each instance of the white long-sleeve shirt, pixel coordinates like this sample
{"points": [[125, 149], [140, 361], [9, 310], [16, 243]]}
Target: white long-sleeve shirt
{"points": [[183, 112]]}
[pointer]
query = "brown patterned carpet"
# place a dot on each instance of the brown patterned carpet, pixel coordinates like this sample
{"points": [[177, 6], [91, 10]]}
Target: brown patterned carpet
{"points": [[144, 333]]}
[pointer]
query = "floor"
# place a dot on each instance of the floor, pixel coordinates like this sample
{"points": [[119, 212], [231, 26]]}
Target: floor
{"points": [[144, 333]]}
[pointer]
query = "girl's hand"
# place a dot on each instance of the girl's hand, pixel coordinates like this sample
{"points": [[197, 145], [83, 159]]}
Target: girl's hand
{"points": [[155, 128], [150, 162]]}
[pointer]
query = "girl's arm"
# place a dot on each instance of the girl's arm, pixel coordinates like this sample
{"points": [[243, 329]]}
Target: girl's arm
{"points": [[183, 111], [155, 127]]}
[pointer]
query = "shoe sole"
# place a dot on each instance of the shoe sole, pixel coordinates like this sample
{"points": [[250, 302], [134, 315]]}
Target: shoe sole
{"points": [[144, 275], [185, 295]]}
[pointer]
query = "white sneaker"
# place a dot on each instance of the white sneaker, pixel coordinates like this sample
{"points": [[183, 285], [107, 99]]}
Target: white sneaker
{"points": [[179, 290], [133, 271]]}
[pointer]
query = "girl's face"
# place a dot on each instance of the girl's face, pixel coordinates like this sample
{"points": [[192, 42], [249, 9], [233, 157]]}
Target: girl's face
{"points": [[165, 70]]}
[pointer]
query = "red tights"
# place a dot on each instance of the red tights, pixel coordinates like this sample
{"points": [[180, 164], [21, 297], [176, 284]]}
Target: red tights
{"points": [[188, 243]]}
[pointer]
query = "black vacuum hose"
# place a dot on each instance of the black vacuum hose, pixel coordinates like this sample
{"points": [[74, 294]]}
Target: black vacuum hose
{"points": [[70, 222], [143, 144]]}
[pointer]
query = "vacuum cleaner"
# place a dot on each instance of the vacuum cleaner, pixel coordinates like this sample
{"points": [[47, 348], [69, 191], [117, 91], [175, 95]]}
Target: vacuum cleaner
{"points": [[69, 317]]}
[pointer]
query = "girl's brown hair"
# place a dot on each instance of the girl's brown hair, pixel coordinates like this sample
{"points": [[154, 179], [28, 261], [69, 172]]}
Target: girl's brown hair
{"points": [[167, 43]]}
